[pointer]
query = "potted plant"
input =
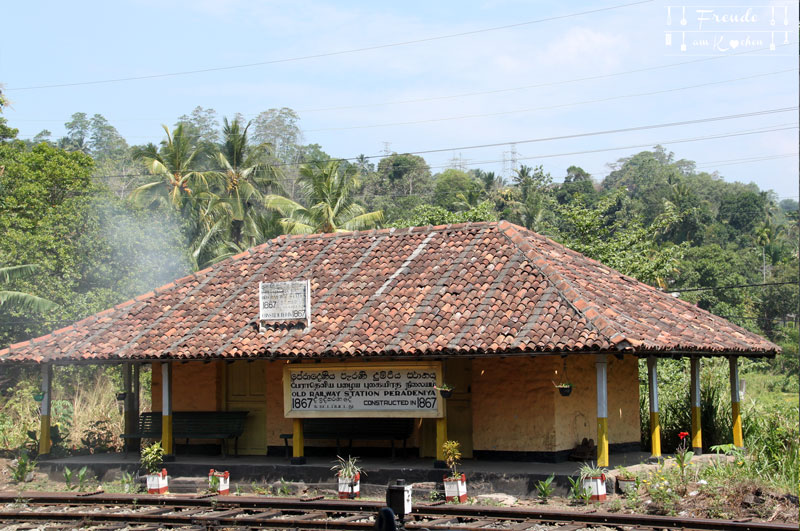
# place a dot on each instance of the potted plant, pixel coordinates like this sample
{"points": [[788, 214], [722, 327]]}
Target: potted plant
{"points": [[219, 482], [151, 459], [626, 480], [349, 474], [564, 388], [593, 479], [455, 485], [446, 390]]}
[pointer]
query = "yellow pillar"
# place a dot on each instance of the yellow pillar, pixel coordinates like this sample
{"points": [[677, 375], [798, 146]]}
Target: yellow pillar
{"points": [[655, 424], [738, 438], [297, 438], [601, 366], [697, 436], [441, 437], [44, 432], [166, 408], [298, 442]]}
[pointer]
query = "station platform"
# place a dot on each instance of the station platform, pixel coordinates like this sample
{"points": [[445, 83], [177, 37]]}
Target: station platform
{"points": [[515, 478]]}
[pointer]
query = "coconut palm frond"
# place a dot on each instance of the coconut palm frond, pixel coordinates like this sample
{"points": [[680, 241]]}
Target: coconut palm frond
{"points": [[12, 273], [25, 302], [284, 205], [364, 221]]}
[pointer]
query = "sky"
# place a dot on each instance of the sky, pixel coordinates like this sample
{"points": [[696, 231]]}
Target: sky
{"points": [[539, 82]]}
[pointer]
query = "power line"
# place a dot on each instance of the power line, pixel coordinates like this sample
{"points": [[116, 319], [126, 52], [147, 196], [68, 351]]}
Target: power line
{"points": [[548, 107], [717, 163], [479, 93], [734, 286], [778, 127], [649, 144], [598, 133], [538, 85], [332, 54]]}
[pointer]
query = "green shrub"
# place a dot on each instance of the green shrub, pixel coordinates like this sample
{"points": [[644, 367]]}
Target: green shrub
{"points": [[769, 425]]}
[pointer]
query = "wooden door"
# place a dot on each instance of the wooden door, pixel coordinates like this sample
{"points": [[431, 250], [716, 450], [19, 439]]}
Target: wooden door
{"points": [[245, 390], [458, 373]]}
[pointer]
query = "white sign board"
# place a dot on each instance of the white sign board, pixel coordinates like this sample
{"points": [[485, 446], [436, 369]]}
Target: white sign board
{"points": [[284, 301], [362, 390]]}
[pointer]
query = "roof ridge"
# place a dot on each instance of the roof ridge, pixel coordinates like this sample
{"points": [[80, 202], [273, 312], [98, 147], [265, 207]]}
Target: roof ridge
{"points": [[588, 310]]}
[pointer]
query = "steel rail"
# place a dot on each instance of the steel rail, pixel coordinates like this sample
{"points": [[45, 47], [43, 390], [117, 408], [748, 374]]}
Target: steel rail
{"points": [[343, 515]]}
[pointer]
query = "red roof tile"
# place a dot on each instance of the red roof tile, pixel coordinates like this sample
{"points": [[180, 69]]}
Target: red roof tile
{"points": [[472, 289]]}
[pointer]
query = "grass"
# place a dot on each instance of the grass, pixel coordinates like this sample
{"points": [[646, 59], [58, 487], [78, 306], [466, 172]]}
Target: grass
{"points": [[769, 417]]}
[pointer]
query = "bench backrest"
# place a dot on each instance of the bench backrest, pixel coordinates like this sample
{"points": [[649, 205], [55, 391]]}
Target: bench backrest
{"points": [[395, 428], [150, 422], [231, 422]]}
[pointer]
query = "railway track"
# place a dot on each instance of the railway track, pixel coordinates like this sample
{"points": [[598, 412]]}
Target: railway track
{"points": [[142, 512]]}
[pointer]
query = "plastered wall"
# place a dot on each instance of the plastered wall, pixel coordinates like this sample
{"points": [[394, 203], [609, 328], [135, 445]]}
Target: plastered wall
{"points": [[577, 413], [277, 423], [513, 404], [196, 386]]}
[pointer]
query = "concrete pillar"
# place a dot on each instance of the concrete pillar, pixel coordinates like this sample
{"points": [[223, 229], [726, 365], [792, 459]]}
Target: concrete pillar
{"points": [[135, 444], [601, 365], [738, 438], [697, 436], [127, 388], [166, 408], [298, 442], [652, 389], [44, 432]]}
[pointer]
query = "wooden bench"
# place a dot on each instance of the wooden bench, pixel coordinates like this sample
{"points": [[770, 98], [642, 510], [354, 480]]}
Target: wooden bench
{"points": [[351, 429], [187, 425]]}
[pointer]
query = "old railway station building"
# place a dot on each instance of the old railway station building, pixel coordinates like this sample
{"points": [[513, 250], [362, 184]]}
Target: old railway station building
{"points": [[379, 320]]}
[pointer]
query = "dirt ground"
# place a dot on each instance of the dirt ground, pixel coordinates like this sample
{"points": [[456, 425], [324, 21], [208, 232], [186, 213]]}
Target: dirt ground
{"points": [[742, 501]]}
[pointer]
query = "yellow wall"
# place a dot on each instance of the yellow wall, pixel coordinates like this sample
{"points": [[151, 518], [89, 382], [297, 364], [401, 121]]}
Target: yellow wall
{"points": [[277, 423], [513, 403], [577, 413], [623, 399], [515, 406]]}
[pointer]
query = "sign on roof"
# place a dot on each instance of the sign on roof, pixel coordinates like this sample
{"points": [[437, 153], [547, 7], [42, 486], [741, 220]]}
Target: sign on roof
{"points": [[284, 301]]}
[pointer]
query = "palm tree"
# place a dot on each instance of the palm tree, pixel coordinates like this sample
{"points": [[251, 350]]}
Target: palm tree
{"points": [[17, 299], [328, 192], [233, 217], [241, 183], [767, 236], [173, 168]]}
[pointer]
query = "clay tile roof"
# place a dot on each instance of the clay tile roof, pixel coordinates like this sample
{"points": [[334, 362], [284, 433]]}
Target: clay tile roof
{"points": [[471, 289]]}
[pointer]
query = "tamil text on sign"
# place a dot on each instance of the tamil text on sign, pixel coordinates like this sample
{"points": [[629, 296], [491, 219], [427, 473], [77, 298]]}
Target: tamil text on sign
{"points": [[371, 390]]}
